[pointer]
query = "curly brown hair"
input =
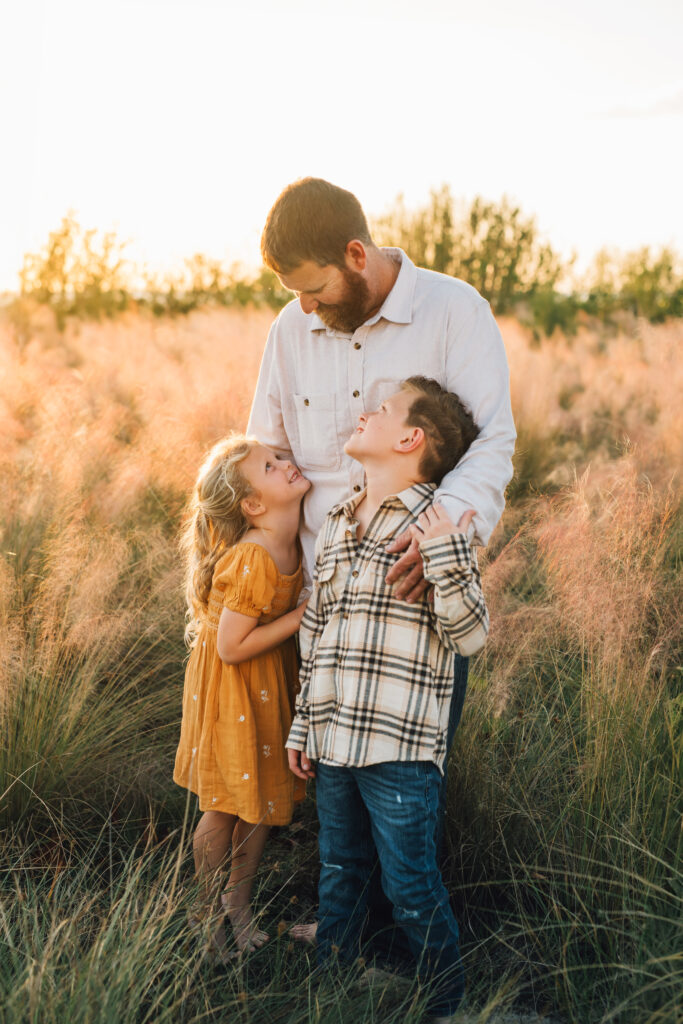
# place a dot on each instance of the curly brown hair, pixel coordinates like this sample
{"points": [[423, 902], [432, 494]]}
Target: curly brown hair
{"points": [[447, 423]]}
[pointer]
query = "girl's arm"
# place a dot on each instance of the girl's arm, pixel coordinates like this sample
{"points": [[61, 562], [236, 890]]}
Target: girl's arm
{"points": [[240, 637]]}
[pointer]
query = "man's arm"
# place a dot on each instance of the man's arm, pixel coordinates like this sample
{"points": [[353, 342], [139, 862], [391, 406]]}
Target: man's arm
{"points": [[477, 371]]}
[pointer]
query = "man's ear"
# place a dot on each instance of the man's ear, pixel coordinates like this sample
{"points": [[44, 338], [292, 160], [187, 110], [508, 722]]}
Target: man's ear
{"points": [[355, 256], [412, 439], [252, 506]]}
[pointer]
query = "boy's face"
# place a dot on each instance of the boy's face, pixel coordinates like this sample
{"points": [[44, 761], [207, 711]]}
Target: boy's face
{"points": [[381, 432]]}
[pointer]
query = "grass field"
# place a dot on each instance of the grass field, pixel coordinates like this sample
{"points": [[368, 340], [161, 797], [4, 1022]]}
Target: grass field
{"points": [[564, 817]]}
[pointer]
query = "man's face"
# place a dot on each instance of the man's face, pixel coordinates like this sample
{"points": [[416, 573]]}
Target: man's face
{"points": [[379, 433], [340, 297]]}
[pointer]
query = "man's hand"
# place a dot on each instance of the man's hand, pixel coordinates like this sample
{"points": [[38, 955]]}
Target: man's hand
{"points": [[409, 569], [300, 764]]}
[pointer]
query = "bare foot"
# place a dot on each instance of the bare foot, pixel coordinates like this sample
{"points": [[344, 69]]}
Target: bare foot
{"points": [[215, 943], [248, 936], [305, 932]]}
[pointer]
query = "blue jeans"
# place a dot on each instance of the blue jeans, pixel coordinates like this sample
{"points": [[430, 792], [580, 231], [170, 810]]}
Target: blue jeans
{"points": [[383, 939], [396, 805]]}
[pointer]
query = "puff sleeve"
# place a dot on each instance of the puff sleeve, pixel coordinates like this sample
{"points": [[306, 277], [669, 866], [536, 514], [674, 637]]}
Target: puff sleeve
{"points": [[247, 577]]}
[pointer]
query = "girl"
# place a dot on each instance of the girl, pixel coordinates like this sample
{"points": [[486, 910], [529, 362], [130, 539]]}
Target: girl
{"points": [[243, 580]]}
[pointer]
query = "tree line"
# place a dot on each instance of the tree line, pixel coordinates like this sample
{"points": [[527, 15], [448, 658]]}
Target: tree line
{"points": [[493, 245]]}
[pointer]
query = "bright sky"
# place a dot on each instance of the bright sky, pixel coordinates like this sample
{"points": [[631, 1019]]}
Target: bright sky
{"points": [[177, 122]]}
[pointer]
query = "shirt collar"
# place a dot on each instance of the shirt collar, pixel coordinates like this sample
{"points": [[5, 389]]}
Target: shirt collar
{"points": [[413, 499], [398, 305]]}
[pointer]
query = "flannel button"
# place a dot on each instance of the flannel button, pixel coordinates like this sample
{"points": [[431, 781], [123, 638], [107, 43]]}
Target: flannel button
{"points": [[356, 487], [354, 572], [356, 394], [356, 344]]}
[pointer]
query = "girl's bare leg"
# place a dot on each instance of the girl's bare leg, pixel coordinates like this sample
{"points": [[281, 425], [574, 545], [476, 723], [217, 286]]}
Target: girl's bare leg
{"points": [[248, 842], [211, 847]]}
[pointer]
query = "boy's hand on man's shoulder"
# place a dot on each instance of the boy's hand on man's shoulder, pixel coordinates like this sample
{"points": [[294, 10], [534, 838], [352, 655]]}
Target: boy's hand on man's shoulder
{"points": [[435, 522], [408, 571]]}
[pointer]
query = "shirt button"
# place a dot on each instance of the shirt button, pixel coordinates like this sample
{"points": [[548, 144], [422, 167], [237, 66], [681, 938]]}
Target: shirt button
{"points": [[356, 344], [356, 487], [306, 402], [356, 394], [355, 572]]}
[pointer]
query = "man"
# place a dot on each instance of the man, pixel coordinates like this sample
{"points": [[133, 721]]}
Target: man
{"points": [[366, 319]]}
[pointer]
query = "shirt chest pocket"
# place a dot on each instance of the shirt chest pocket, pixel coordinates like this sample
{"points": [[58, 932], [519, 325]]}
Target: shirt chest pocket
{"points": [[329, 583], [319, 444]]}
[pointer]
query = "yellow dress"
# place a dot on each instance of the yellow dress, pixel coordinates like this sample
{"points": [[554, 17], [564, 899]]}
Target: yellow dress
{"points": [[236, 718]]}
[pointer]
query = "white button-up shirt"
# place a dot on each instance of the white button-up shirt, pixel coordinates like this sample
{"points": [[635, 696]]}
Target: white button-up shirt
{"points": [[315, 381]]}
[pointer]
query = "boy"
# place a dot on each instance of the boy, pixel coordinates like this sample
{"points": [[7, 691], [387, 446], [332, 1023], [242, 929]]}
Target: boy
{"points": [[376, 682]]}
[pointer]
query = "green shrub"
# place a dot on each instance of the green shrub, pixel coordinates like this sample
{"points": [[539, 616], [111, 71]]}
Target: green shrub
{"points": [[491, 245], [77, 273]]}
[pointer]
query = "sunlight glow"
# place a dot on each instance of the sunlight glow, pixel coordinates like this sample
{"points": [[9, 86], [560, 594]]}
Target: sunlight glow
{"points": [[176, 124]]}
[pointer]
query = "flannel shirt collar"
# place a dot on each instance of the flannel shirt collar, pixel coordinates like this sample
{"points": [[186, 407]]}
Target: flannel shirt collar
{"points": [[398, 305], [412, 499]]}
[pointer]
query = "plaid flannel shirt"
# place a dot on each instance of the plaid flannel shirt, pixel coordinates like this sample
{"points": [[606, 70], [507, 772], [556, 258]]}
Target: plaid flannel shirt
{"points": [[377, 673]]}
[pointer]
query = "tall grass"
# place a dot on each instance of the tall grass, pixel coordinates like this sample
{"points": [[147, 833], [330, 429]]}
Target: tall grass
{"points": [[564, 817]]}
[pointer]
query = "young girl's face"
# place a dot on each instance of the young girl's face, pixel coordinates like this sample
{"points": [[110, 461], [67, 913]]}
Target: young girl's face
{"points": [[278, 482]]}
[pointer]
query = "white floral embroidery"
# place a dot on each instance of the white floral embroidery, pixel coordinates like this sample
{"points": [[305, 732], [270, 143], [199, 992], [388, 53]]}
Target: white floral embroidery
{"points": [[241, 718], [194, 696], [266, 750], [266, 609], [194, 750], [246, 570], [214, 800], [264, 696], [246, 775], [271, 806]]}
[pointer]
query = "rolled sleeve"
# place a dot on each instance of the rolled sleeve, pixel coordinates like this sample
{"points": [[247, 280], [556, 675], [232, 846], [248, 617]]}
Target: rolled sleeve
{"points": [[461, 615]]}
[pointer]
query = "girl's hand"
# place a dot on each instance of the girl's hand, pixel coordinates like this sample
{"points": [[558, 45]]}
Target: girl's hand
{"points": [[298, 613], [435, 522]]}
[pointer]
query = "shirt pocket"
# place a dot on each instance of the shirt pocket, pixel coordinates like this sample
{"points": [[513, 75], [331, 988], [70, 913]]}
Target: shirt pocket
{"points": [[319, 444], [327, 580]]}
